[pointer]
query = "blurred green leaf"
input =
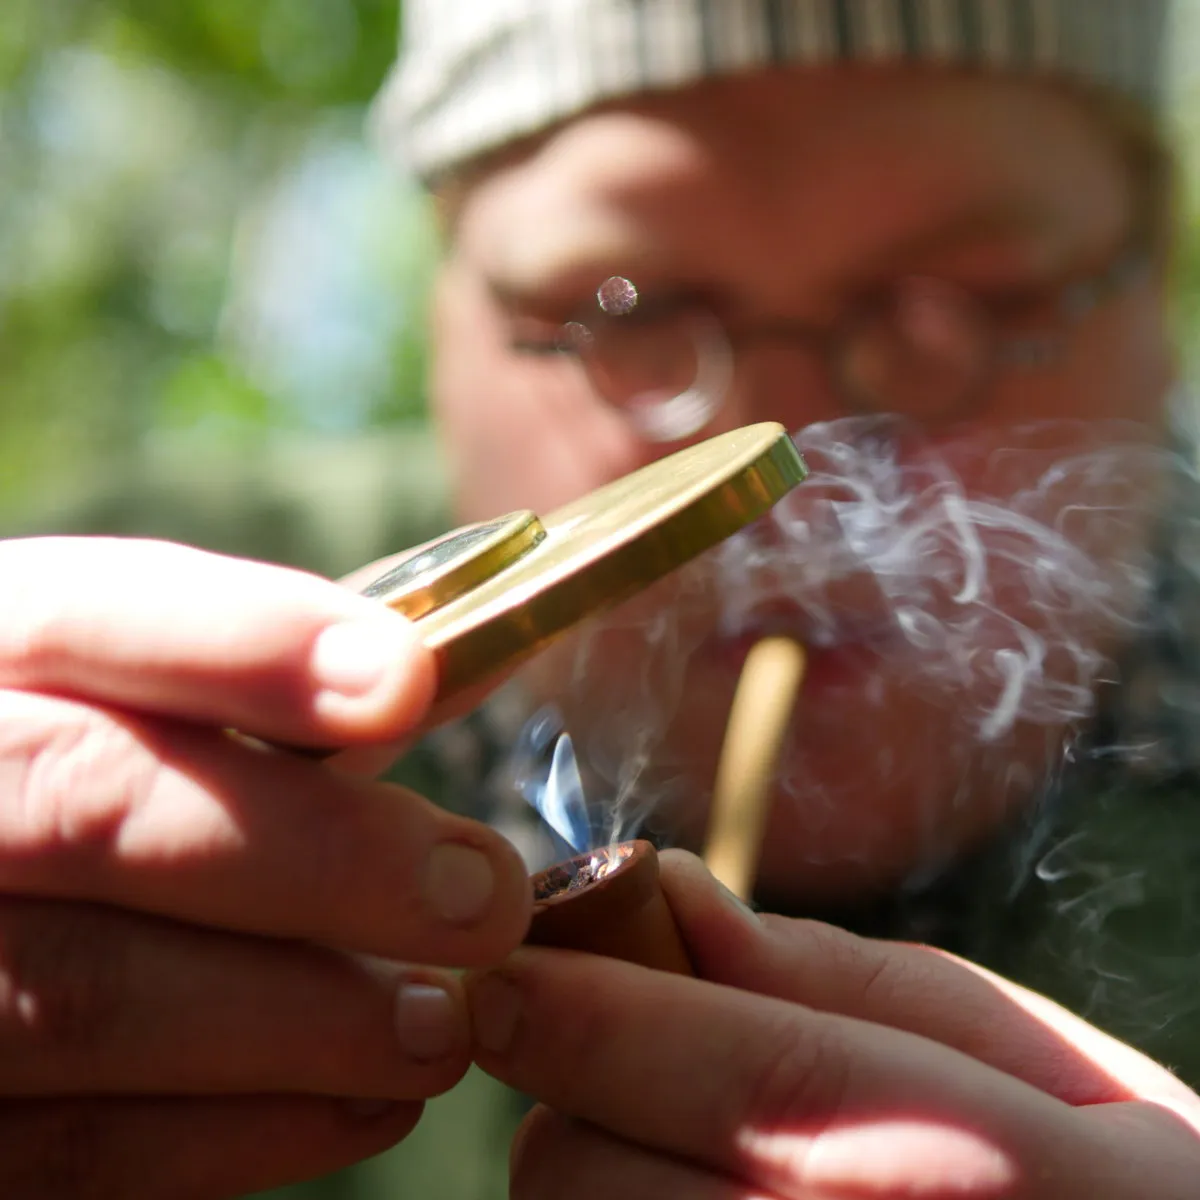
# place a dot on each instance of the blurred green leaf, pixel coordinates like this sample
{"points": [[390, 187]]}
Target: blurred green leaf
{"points": [[195, 236]]}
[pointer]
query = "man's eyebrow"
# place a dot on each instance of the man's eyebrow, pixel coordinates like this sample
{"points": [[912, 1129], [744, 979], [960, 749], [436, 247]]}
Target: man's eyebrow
{"points": [[523, 297], [579, 274], [960, 230], [569, 283]]}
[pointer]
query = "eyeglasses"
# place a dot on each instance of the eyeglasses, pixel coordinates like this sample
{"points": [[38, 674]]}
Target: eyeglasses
{"points": [[923, 349]]}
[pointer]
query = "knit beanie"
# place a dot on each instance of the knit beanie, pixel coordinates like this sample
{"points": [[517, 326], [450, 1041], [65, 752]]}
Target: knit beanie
{"points": [[476, 74]]}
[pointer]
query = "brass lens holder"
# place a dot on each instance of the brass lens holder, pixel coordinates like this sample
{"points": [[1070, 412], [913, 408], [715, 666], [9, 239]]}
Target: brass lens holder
{"points": [[487, 596]]}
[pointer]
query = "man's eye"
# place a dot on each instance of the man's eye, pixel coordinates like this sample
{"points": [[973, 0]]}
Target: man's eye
{"points": [[614, 313], [537, 346], [536, 335]]}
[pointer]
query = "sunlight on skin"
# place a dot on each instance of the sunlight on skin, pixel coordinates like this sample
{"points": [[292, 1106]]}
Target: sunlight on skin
{"points": [[883, 1157]]}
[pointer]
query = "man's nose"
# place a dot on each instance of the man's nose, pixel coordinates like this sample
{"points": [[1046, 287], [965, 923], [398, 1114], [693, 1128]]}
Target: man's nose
{"points": [[778, 381]]}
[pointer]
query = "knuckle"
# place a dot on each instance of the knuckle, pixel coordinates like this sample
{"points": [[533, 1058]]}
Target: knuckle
{"points": [[581, 1044], [815, 942], [827, 944], [861, 975], [880, 977], [83, 777], [796, 1090], [61, 973]]}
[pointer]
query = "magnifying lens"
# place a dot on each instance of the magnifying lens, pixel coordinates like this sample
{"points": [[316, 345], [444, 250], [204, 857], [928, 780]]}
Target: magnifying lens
{"points": [[488, 595]]}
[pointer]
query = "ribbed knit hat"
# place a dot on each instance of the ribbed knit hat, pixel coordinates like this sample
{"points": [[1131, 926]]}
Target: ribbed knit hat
{"points": [[474, 74]]}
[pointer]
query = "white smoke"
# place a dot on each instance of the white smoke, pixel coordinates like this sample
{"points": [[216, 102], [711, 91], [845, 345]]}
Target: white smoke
{"points": [[996, 579], [1038, 593], [1004, 598]]}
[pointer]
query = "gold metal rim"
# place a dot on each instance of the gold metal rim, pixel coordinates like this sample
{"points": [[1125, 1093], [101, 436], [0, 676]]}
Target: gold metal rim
{"points": [[606, 547], [424, 580]]}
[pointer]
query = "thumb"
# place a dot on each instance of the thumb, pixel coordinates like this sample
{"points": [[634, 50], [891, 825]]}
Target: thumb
{"points": [[177, 632], [724, 938]]}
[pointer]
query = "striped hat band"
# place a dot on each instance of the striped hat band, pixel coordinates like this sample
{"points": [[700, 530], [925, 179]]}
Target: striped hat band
{"points": [[475, 74]]}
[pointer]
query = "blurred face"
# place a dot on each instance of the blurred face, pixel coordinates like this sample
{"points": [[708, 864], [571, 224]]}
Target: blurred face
{"points": [[959, 578]]}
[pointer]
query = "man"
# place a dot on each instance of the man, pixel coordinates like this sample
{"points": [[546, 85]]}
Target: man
{"points": [[931, 240]]}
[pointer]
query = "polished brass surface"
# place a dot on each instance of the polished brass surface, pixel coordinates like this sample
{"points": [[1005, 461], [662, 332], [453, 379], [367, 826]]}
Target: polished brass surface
{"points": [[598, 551]]}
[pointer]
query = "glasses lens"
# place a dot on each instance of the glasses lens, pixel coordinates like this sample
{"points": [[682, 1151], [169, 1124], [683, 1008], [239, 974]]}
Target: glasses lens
{"points": [[922, 353], [669, 372]]}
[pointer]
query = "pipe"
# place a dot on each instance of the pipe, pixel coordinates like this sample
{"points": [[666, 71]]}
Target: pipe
{"points": [[609, 902]]}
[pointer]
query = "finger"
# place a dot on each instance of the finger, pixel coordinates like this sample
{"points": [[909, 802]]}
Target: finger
{"points": [[167, 629], [185, 1149], [551, 1149], [186, 823], [372, 760], [367, 762], [915, 988], [94, 1000], [787, 1099]]}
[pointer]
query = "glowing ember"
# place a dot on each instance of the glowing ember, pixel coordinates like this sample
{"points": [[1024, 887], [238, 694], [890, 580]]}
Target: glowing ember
{"points": [[579, 873]]}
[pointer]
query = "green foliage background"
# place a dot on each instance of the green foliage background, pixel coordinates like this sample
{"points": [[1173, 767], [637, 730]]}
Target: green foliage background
{"points": [[211, 323], [206, 274]]}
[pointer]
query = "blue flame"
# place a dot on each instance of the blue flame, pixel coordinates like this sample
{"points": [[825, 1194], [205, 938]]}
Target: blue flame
{"points": [[564, 805], [547, 775]]}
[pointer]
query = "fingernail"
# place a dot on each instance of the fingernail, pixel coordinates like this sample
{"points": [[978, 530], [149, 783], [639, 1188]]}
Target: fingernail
{"points": [[352, 659], [459, 883], [495, 1012], [428, 1022]]}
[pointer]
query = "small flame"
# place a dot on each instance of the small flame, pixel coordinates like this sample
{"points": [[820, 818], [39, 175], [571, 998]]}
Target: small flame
{"points": [[564, 805], [549, 779]]}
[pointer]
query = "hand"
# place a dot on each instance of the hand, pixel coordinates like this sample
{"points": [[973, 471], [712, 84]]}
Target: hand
{"points": [[200, 936], [809, 1064]]}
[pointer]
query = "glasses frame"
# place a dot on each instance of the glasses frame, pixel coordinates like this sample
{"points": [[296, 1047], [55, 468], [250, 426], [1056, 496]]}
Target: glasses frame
{"points": [[1069, 306]]}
